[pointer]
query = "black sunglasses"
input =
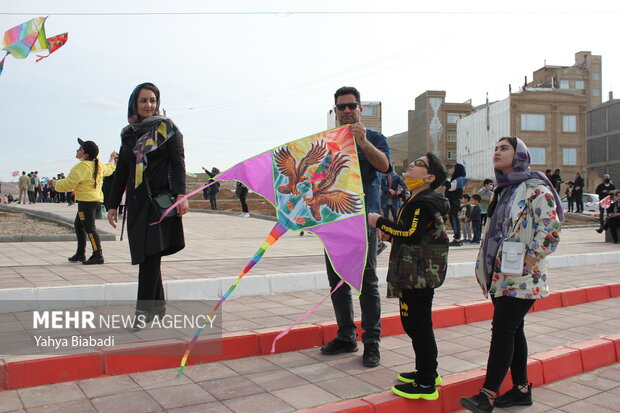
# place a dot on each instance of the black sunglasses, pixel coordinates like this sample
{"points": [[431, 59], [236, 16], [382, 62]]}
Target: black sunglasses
{"points": [[351, 106]]}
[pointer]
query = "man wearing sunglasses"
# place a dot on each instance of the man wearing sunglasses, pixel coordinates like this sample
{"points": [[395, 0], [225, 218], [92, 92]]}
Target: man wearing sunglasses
{"points": [[374, 159]]}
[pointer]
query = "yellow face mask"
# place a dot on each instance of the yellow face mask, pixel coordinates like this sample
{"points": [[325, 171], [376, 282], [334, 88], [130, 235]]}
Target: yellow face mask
{"points": [[413, 183]]}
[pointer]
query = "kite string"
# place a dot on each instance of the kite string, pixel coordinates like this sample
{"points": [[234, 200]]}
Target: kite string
{"points": [[303, 317], [276, 232]]}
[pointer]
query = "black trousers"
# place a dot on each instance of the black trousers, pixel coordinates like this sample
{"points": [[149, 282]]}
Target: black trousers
{"points": [[150, 285], [613, 223], [579, 201], [601, 217], [476, 227], [508, 343], [370, 299], [213, 201], [416, 317], [85, 227], [244, 205]]}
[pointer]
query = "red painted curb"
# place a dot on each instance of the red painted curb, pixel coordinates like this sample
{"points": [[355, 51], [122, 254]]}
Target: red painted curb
{"points": [[391, 325], [133, 358], [560, 363], [574, 296], [597, 292], [595, 353], [299, 338], [477, 311], [540, 371], [37, 371], [448, 316], [553, 300], [616, 340], [233, 346]]}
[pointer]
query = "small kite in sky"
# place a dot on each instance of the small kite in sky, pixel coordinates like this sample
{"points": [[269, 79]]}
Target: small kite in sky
{"points": [[315, 185], [30, 36]]}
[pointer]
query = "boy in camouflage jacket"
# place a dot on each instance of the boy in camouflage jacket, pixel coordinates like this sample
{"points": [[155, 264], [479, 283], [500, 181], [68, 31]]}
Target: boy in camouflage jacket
{"points": [[418, 263]]}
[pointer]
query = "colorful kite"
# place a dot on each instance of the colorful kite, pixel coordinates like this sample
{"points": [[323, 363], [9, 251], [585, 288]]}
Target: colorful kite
{"points": [[604, 203], [30, 36], [315, 185]]}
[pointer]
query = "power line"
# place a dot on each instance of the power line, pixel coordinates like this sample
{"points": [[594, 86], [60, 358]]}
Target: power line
{"points": [[311, 13]]}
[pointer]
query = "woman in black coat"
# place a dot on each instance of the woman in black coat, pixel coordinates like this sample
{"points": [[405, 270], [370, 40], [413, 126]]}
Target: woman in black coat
{"points": [[152, 155]]}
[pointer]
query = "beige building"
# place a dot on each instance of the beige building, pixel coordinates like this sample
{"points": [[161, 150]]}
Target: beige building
{"points": [[584, 77], [603, 142], [432, 126], [552, 124]]}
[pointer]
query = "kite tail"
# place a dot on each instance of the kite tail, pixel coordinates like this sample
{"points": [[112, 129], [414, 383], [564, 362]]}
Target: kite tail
{"points": [[303, 317], [2, 62], [276, 232], [165, 214]]}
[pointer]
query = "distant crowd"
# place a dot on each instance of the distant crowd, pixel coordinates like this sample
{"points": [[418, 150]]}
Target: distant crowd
{"points": [[468, 213], [33, 189]]}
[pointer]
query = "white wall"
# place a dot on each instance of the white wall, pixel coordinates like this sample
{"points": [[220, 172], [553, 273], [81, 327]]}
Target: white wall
{"points": [[475, 143]]}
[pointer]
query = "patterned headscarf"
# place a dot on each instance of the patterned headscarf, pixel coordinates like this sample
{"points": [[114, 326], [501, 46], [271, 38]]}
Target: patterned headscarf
{"points": [[498, 227], [152, 132]]}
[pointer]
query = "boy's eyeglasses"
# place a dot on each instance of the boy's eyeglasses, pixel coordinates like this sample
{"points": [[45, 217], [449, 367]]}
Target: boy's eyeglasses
{"points": [[420, 162], [352, 106]]}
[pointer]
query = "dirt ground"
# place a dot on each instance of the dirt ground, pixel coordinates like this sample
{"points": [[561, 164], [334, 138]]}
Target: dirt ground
{"points": [[19, 224], [228, 201]]}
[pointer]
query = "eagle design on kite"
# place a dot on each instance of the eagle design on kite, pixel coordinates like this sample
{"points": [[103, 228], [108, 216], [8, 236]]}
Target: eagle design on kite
{"points": [[287, 165], [338, 201]]}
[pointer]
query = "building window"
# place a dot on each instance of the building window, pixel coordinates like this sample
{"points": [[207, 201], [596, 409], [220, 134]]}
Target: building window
{"points": [[368, 111], [596, 92], [564, 84], [569, 123], [569, 156], [451, 136], [453, 117], [451, 154], [580, 84], [596, 76], [538, 156], [531, 121]]}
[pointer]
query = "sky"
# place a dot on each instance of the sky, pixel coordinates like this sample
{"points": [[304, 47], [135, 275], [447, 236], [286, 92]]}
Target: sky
{"points": [[241, 77]]}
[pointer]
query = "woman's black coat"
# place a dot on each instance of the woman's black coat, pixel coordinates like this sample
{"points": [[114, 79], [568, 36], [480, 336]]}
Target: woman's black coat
{"points": [[166, 173]]}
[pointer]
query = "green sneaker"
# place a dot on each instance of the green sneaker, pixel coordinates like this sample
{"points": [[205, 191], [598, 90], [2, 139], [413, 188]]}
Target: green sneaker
{"points": [[413, 391]]}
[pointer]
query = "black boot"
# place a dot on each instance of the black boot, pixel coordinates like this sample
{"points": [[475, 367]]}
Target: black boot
{"points": [[78, 257], [94, 259]]}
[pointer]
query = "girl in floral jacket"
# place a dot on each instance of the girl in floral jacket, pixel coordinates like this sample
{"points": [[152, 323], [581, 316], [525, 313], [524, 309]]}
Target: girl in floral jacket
{"points": [[525, 209]]}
